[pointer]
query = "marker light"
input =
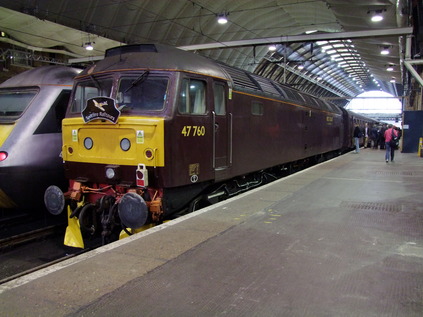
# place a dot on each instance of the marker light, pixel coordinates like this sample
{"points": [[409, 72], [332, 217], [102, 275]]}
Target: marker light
{"points": [[149, 154], [3, 156]]}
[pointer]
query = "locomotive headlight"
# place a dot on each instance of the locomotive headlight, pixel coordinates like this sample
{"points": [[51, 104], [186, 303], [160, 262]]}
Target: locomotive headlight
{"points": [[112, 172], [88, 143], [125, 144]]}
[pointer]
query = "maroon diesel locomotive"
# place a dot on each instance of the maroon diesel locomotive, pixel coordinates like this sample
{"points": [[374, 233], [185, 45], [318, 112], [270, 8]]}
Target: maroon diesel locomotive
{"points": [[152, 131]]}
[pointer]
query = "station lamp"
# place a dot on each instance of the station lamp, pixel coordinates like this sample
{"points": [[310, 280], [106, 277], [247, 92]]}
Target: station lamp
{"points": [[390, 68], [89, 46], [385, 50], [376, 15], [272, 47], [222, 18]]}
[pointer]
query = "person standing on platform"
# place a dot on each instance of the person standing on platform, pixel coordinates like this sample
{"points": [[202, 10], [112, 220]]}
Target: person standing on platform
{"points": [[357, 135], [366, 135], [382, 137], [390, 133], [374, 137]]}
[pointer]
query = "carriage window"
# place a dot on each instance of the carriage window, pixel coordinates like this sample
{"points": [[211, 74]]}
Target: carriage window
{"points": [[141, 93], [14, 102], [219, 99], [192, 97], [89, 89], [257, 108]]}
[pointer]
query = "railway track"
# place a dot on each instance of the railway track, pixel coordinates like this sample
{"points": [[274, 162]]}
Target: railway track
{"points": [[8, 278], [18, 239], [27, 252]]}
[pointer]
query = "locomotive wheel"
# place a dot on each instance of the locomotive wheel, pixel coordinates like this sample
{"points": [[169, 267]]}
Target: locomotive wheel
{"points": [[87, 219]]}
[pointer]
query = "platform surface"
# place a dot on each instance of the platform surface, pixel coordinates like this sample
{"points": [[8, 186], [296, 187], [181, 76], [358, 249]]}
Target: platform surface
{"points": [[344, 238]]}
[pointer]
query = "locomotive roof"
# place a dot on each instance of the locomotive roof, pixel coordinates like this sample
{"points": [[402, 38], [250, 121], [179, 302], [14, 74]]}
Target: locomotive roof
{"points": [[45, 75], [156, 56]]}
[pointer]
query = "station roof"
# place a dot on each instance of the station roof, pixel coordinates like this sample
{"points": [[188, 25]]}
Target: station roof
{"points": [[340, 57]]}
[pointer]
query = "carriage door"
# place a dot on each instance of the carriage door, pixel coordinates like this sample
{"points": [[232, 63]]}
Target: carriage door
{"points": [[221, 128]]}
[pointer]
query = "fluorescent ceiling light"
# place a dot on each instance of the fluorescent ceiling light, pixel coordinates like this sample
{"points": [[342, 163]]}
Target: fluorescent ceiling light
{"points": [[88, 46], [385, 51], [377, 16], [272, 47], [222, 18]]}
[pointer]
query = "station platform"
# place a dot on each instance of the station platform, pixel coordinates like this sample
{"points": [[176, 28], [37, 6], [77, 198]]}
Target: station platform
{"points": [[343, 238]]}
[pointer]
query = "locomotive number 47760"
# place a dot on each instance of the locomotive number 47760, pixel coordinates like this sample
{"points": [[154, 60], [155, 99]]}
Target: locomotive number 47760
{"points": [[195, 130]]}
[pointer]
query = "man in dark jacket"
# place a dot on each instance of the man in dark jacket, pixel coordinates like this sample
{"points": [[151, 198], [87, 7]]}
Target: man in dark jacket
{"points": [[374, 137], [357, 136]]}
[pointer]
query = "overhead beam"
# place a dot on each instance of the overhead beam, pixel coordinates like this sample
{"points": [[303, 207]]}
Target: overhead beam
{"points": [[409, 65], [35, 48], [363, 97], [300, 38], [283, 39]]}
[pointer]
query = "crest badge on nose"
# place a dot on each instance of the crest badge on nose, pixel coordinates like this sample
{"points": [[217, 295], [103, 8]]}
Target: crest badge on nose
{"points": [[100, 108]]}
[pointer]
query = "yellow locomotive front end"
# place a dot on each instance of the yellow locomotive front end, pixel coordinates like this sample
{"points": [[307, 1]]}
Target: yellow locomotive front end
{"points": [[113, 144], [131, 142]]}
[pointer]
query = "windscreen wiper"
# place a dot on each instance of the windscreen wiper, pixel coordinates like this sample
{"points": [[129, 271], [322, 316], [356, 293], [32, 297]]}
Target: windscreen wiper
{"points": [[96, 83], [137, 81]]}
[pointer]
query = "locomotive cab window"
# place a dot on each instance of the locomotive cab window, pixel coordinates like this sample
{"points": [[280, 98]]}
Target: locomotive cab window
{"points": [[89, 89], [144, 92], [14, 102], [219, 99], [192, 97]]}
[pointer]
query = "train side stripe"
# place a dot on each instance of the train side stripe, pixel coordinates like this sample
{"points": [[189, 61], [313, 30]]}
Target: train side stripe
{"points": [[5, 131]]}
